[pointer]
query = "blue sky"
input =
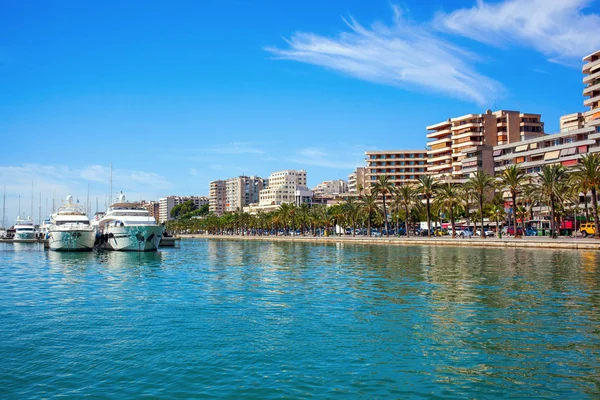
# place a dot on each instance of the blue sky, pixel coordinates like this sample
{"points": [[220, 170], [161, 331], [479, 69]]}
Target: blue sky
{"points": [[178, 94]]}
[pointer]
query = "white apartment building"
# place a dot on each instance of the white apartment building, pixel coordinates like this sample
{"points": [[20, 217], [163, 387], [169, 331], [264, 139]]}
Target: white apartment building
{"points": [[166, 204], [285, 187], [331, 188]]}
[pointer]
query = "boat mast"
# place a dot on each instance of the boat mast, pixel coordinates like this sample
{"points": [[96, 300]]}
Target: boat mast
{"points": [[31, 201], [4, 209], [110, 195], [87, 202], [19, 206], [40, 210]]}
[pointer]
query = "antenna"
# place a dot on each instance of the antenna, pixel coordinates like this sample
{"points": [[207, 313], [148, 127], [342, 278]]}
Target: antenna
{"points": [[4, 209]]}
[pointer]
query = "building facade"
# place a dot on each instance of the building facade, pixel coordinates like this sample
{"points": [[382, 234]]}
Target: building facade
{"points": [[285, 187], [570, 122], [400, 166], [242, 191], [462, 145], [331, 188], [153, 208], [356, 180], [166, 204], [217, 197], [591, 80]]}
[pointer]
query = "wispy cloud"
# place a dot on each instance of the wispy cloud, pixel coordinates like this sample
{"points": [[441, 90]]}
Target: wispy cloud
{"points": [[404, 54], [324, 158], [560, 29]]}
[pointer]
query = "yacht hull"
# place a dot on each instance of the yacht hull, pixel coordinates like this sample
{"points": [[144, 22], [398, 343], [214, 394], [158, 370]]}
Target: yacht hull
{"points": [[133, 238], [73, 240], [24, 235]]}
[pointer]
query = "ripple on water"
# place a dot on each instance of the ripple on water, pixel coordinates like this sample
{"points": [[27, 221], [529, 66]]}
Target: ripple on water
{"points": [[269, 320]]}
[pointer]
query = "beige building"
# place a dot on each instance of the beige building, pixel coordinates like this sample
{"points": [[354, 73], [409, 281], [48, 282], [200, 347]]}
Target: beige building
{"points": [[217, 197], [591, 70], [331, 188], [153, 208], [401, 166], [466, 142], [570, 122], [286, 187], [356, 180], [241, 191]]}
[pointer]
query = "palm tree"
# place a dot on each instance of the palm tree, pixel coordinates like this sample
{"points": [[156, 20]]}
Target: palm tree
{"points": [[497, 212], [480, 183], [407, 196], [448, 198], [513, 179], [588, 175], [427, 186], [369, 206], [352, 207], [550, 185], [383, 186]]}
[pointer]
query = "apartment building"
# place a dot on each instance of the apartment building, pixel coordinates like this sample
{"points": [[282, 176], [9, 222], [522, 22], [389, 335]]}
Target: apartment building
{"points": [[287, 186], [356, 180], [166, 204], [401, 166], [330, 188], [463, 145], [591, 80], [565, 148], [570, 122], [217, 197], [153, 208], [241, 191]]}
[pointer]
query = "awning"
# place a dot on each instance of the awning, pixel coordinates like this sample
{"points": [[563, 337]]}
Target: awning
{"points": [[569, 162], [520, 160], [522, 147], [568, 152], [470, 164], [533, 146], [582, 149], [551, 155], [496, 153]]}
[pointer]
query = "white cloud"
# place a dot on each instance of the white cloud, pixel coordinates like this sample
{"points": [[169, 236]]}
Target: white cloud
{"points": [[403, 54], [560, 29], [325, 158]]}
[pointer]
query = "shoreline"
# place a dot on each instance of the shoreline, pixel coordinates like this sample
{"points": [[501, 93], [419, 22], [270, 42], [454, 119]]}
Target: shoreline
{"points": [[524, 242]]}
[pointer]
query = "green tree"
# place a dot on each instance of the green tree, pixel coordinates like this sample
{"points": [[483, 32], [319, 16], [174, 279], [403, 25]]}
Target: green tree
{"points": [[588, 175], [447, 197], [550, 183], [513, 179], [481, 183], [369, 206], [384, 187], [426, 185]]}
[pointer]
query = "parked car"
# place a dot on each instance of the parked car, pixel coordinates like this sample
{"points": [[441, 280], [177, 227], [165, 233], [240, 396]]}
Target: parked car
{"points": [[511, 231], [487, 233], [587, 228], [401, 232], [531, 232]]}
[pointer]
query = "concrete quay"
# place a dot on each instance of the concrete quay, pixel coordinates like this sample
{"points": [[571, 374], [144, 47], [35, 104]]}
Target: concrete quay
{"points": [[523, 242]]}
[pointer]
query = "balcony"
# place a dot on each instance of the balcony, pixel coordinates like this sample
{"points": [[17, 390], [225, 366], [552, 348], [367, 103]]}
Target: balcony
{"points": [[458, 127], [590, 102], [587, 68], [439, 151], [437, 134], [590, 89], [440, 158], [437, 168], [440, 141], [590, 78]]}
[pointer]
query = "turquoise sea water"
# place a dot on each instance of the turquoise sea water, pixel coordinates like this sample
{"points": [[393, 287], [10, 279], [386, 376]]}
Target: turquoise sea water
{"points": [[234, 319]]}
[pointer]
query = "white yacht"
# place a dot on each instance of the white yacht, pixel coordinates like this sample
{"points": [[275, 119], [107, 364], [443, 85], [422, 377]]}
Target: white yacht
{"points": [[24, 229], [70, 229], [129, 227]]}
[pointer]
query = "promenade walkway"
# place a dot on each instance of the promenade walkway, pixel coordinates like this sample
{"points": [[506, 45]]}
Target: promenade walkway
{"points": [[524, 242]]}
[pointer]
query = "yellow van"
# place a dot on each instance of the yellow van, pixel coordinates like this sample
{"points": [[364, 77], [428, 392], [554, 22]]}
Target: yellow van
{"points": [[588, 228]]}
